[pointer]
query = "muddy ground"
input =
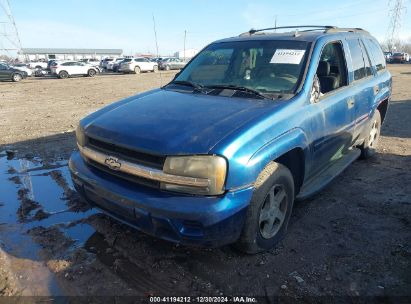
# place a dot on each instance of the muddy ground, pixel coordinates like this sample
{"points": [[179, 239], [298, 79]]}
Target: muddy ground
{"points": [[353, 239]]}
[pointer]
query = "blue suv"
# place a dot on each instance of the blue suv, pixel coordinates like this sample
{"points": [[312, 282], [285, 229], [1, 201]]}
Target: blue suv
{"points": [[253, 122]]}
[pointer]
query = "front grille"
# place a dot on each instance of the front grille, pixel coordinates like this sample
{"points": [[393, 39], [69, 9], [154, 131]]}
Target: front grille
{"points": [[150, 160], [122, 175]]}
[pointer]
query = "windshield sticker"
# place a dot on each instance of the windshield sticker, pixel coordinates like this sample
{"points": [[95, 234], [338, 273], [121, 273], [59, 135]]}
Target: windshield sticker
{"points": [[287, 56]]}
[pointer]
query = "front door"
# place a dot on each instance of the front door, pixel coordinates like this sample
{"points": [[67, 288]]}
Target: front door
{"points": [[333, 115]]}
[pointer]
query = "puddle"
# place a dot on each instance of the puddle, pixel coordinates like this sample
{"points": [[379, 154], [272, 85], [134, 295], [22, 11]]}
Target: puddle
{"points": [[37, 197]]}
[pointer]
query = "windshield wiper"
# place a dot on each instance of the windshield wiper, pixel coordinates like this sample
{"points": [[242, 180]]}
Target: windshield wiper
{"points": [[197, 86], [239, 88]]}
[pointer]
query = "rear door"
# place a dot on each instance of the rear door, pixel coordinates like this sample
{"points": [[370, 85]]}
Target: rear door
{"points": [[362, 82]]}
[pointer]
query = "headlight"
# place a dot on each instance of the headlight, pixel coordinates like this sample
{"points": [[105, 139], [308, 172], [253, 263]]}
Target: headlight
{"points": [[80, 136], [211, 167]]}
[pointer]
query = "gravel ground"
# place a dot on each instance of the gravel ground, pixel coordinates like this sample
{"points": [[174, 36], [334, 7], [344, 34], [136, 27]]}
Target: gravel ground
{"points": [[352, 239]]}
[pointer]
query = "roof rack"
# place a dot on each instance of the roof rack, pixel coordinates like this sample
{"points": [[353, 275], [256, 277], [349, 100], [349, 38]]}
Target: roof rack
{"points": [[325, 28]]}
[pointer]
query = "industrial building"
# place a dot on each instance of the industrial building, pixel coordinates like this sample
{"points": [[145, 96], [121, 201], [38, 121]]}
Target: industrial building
{"points": [[34, 54]]}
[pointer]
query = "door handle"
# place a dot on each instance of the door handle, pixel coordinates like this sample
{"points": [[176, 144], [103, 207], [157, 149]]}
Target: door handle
{"points": [[350, 103]]}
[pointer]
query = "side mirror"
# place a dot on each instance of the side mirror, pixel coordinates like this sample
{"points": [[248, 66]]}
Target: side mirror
{"points": [[176, 75], [315, 90]]}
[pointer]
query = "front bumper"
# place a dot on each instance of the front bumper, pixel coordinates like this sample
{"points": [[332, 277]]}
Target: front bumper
{"points": [[185, 219]]}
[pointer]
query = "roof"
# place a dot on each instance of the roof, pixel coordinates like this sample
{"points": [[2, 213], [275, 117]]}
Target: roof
{"points": [[303, 35], [71, 51]]}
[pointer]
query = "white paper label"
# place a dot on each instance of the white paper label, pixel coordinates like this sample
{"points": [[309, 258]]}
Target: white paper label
{"points": [[287, 56]]}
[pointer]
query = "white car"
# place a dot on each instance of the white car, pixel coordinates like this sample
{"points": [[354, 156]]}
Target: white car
{"points": [[107, 61], [110, 64], [23, 67], [138, 65], [91, 61], [69, 68], [38, 65]]}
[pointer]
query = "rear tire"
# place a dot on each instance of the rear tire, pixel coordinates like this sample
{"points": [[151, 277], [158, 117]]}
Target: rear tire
{"points": [[63, 75], [368, 148], [137, 70], [16, 77], [91, 73], [269, 210]]}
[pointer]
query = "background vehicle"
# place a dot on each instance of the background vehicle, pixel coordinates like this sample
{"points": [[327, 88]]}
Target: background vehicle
{"points": [[10, 73], [388, 56], [70, 68], [23, 67], [116, 65], [400, 57], [171, 64], [110, 65], [105, 62], [38, 64], [253, 122], [91, 61], [138, 65]]}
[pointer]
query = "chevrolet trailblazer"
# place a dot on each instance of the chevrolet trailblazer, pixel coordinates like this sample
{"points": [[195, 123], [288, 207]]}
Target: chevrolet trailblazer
{"points": [[251, 123]]}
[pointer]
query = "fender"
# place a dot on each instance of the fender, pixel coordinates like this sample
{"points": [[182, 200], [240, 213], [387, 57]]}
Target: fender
{"points": [[294, 138]]}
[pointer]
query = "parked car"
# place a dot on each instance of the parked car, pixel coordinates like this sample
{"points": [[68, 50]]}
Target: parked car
{"points": [[253, 122], [116, 65], [23, 67], [388, 57], [400, 57], [9, 73], [110, 65], [70, 68], [91, 61], [38, 64], [138, 65], [171, 64], [106, 61]]}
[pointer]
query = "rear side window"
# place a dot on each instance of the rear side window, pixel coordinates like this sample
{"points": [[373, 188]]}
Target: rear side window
{"points": [[376, 54], [360, 61]]}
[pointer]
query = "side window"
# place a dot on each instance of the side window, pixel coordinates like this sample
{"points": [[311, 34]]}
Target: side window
{"points": [[332, 69], [359, 67], [367, 60], [376, 54]]}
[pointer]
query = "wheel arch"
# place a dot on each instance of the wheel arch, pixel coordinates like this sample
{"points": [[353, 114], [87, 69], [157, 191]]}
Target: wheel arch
{"points": [[383, 107], [289, 149]]}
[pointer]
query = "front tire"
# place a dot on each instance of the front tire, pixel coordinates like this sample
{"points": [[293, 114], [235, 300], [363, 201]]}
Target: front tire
{"points": [[16, 77], [137, 70], [368, 148], [269, 211]]}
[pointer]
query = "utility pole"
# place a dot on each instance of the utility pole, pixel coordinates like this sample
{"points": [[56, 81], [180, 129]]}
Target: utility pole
{"points": [[9, 36], [275, 22], [185, 35], [396, 11]]}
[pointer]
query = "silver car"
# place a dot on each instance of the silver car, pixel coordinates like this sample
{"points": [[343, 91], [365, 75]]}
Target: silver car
{"points": [[171, 64]]}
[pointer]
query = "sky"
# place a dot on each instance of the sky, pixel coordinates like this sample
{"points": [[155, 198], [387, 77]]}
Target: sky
{"points": [[128, 24]]}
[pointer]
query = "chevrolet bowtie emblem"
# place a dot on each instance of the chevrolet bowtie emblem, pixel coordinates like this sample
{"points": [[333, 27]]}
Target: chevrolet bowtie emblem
{"points": [[112, 163]]}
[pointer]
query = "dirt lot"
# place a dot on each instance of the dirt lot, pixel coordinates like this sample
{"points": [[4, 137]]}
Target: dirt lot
{"points": [[353, 239]]}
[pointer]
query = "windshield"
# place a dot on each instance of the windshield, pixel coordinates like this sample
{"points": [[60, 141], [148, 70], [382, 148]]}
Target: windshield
{"points": [[265, 66]]}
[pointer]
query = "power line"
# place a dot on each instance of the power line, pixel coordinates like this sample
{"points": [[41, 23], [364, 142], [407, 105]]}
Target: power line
{"points": [[9, 35], [397, 10]]}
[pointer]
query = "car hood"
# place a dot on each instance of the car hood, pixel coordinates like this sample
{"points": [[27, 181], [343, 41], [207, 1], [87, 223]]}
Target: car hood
{"points": [[169, 123]]}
